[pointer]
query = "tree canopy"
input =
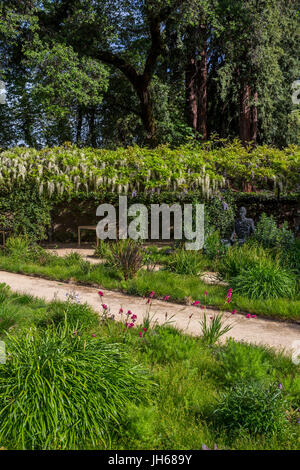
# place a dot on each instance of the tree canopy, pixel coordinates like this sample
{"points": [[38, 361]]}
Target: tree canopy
{"points": [[114, 73]]}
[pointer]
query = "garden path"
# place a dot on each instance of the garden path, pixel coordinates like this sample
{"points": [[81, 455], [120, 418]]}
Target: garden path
{"points": [[278, 335]]}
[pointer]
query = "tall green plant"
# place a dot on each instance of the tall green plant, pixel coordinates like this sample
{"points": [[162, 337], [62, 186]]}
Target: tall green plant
{"points": [[60, 391]]}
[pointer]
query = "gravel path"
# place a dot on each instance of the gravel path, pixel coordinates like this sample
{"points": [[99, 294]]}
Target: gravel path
{"points": [[278, 335]]}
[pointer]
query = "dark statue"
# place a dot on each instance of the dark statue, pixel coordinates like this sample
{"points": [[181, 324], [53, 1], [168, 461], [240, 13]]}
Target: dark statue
{"points": [[243, 228]]}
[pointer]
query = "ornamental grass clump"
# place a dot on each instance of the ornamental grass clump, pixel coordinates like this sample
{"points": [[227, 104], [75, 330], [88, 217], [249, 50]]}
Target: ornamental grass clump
{"points": [[238, 258], [127, 257], [257, 408], [60, 391], [213, 331], [265, 280], [185, 262]]}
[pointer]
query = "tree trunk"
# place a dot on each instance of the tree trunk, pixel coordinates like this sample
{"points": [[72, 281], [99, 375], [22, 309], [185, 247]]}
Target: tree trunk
{"points": [[147, 114], [92, 130], [79, 126], [245, 115], [254, 119], [191, 92], [202, 87]]}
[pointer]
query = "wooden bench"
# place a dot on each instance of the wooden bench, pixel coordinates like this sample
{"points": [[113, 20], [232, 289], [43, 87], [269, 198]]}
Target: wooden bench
{"points": [[86, 227]]}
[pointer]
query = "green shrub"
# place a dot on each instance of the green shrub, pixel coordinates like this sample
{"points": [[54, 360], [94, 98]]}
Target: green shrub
{"points": [[58, 391], [291, 258], [270, 236], [240, 258], [219, 214], [265, 280], [213, 247], [71, 311], [28, 211], [254, 407], [18, 247], [185, 262], [103, 250], [240, 362]]}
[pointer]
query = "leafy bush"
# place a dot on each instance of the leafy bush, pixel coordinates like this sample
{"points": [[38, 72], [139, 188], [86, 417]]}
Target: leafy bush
{"points": [[18, 247], [213, 247], [219, 214], [28, 212], [103, 250], [270, 236], [254, 407], [240, 362], [240, 258], [72, 311], [127, 257], [58, 391], [264, 280], [185, 262], [291, 258]]}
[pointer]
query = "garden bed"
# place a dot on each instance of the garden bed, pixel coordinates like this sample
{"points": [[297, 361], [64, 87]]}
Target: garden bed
{"points": [[189, 389], [184, 289]]}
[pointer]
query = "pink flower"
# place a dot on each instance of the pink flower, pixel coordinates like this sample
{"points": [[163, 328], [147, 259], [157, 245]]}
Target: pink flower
{"points": [[93, 335], [148, 301], [100, 293], [234, 312], [131, 325], [248, 316], [202, 306], [145, 329], [104, 306], [228, 296], [121, 311], [134, 317], [167, 297], [129, 312], [196, 303], [206, 293], [253, 316], [140, 334], [151, 294]]}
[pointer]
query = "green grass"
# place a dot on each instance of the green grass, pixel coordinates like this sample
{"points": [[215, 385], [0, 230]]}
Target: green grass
{"points": [[190, 380], [179, 287]]}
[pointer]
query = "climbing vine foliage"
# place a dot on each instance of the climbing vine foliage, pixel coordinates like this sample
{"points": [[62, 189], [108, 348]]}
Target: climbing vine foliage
{"points": [[67, 170]]}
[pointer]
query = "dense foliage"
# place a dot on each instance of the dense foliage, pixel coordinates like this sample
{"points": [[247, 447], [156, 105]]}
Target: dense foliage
{"points": [[69, 170], [204, 395], [112, 73], [74, 390]]}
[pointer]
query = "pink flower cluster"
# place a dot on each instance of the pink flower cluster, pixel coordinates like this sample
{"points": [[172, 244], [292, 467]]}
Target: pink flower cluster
{"points": [[142, 333], [228, 297]]}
